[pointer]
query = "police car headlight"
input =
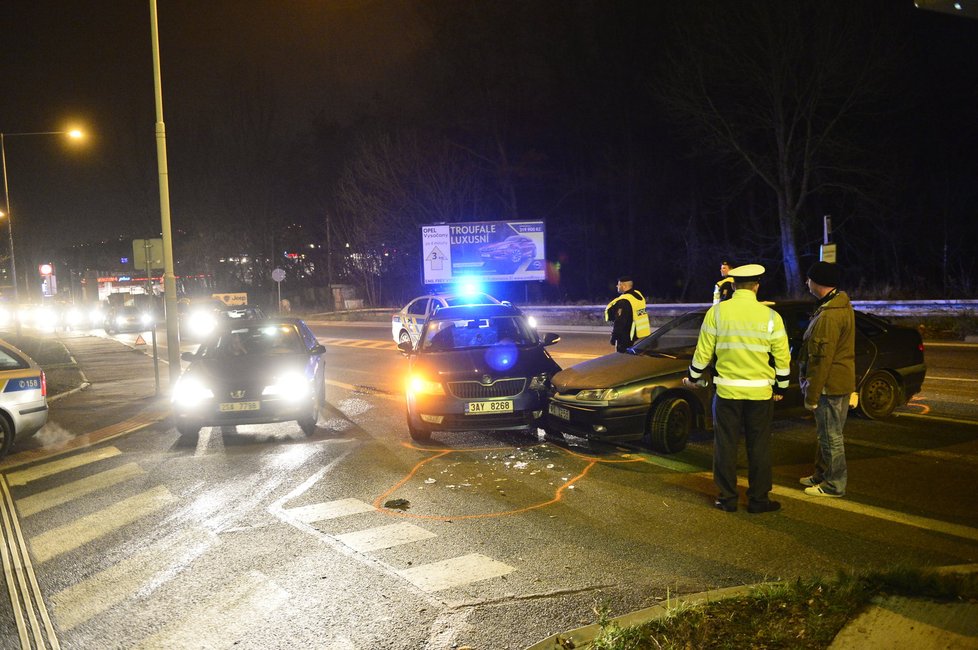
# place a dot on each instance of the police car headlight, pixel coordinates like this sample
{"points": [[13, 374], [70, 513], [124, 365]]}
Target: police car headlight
{"points": [[202, 323], [190, 392], [290, 386], [418, 385], [539, 382], [597, 395]]}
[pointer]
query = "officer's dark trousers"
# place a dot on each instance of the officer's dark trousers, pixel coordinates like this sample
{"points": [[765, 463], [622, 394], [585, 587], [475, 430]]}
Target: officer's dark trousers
{"points": [[753, 418]]}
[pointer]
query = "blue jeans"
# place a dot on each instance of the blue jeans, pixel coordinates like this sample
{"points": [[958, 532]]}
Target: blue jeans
{"points": [[830, 459]]}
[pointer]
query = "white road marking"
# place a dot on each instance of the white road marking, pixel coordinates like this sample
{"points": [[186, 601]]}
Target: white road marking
{"points": [[124, 580], [848, 505], [90, 527], [328, 510], [62, 494], [223, 620], [373, 539], [25, 476], [931, 377], [455, 572]]}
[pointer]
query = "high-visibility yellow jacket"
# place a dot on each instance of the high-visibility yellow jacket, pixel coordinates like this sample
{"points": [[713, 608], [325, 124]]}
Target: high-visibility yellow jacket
{"points": [[744, 335], [723, 289], [640, 318]]}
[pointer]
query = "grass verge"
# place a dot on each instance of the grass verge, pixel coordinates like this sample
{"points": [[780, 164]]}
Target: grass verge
{"points": [[802, 614]]}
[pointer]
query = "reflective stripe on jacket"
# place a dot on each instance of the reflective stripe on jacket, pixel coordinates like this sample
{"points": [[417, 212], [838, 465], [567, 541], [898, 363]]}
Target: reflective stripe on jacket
{"points": [[640, 318], [744, 335]]}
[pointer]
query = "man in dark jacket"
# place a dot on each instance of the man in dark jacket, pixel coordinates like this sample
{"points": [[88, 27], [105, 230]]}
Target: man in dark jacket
{"points": [[828, 377]]}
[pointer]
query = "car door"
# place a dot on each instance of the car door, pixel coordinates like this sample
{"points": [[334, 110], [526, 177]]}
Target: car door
{"points": [[417, 316]]}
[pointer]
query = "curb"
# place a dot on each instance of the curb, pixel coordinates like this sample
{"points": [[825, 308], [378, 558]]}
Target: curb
{"points": [[584, 636]]}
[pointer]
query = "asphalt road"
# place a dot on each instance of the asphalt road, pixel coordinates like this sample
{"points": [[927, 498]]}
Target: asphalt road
{"points": [[262, 537]]}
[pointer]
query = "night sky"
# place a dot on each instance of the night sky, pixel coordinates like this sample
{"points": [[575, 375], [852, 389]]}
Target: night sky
{"points": [[282, 94]]}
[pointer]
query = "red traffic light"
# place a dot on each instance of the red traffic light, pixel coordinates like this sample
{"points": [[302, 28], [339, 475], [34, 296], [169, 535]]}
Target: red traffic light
{"points": [[45, 269]]}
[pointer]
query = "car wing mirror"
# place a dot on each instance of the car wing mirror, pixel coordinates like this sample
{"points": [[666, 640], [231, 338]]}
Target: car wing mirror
{"points": [[317, 349], [406, 347], [550, 338]]}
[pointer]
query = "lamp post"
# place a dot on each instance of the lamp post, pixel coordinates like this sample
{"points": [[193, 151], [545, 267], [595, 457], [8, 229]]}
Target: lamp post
{"points": [[75, 134]]}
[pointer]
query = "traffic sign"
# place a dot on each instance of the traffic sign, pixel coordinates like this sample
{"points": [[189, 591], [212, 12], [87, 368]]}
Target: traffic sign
{"points": [[147, 253]]}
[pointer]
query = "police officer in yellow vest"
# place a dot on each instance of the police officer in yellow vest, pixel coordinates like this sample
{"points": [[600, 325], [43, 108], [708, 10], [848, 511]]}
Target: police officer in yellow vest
{"points": [[723, 289], [744, 335], [627, 312]]}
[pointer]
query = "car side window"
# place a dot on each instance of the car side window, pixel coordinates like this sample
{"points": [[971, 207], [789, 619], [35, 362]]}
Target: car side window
{"points": [[419, 307], [10, 361]]}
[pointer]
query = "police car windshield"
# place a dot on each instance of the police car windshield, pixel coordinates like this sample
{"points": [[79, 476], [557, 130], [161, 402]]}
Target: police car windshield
{"points": [[449, 335]]}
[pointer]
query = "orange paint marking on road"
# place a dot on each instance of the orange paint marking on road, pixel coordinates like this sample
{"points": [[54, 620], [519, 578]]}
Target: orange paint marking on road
{"points": [[558, 493], [924, 408]]}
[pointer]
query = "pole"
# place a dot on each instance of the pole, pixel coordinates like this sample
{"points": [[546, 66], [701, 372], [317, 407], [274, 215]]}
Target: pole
{"points": [[169, 279], [10, 223], [147, 247]]}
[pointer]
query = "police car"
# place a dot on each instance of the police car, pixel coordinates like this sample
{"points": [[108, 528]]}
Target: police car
{"points": [[406, 324], [23, 396]]}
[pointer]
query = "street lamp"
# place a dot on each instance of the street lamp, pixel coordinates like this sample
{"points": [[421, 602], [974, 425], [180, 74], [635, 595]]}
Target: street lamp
{"points": [[75, 134]]}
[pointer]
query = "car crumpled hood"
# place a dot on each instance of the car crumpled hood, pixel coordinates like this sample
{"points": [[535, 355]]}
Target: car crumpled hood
{"points": [[617, 369], [473, 364]]}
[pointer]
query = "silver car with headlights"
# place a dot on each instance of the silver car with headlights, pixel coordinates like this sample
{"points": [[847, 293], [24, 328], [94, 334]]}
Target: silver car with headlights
{"points": [[23, 396], [253, 372]]}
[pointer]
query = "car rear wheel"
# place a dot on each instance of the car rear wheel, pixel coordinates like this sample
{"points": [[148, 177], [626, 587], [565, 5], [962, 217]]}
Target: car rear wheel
{"points": [[403, 337], [879, 395], [418, 433], [670, 421]]}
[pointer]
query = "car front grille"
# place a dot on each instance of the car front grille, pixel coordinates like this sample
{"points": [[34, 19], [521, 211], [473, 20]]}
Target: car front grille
{"points": [[498, 389]]}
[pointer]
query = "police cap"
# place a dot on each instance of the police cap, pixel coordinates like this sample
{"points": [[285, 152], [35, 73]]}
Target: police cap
{"points": [[746, 273]]}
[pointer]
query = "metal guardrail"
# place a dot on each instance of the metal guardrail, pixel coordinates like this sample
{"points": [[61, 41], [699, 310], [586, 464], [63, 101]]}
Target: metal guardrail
{"points": [[596, 312]]}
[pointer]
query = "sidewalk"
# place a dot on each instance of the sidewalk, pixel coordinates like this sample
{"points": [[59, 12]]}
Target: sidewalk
{"points": [[892, 622], [118, 399]]}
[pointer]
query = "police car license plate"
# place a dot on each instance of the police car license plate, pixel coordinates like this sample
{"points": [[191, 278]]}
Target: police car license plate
{"points": [[225, 407], [559, 411], [499, 406]]}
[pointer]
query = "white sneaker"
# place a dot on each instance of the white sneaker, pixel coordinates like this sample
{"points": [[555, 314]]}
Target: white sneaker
{"points": [[808, 481], [819, 491]]}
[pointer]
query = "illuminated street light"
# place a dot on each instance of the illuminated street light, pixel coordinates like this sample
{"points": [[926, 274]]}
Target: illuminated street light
{"points": [[74, 134]]}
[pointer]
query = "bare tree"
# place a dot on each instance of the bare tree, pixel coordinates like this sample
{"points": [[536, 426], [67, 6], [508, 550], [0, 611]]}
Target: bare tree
{"points": [[393, 185], [774, 87]]}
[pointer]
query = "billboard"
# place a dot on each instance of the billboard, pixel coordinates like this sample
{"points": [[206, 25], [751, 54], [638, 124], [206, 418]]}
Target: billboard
{"points": [[490, 251]]}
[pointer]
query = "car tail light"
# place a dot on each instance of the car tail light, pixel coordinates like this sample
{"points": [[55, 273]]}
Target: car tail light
{"points": [[44, 385]]}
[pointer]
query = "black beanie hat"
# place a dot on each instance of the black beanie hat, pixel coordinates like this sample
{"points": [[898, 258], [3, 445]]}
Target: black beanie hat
{"points": [[825, 274]]}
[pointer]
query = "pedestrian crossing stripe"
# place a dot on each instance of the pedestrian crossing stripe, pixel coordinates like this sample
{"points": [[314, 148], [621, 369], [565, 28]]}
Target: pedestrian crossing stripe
{"points": [[25, 476], [136, 574], [63, 539], [222, 621], [455, 572], [328, 510], [62, 494], [381, 537]]}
